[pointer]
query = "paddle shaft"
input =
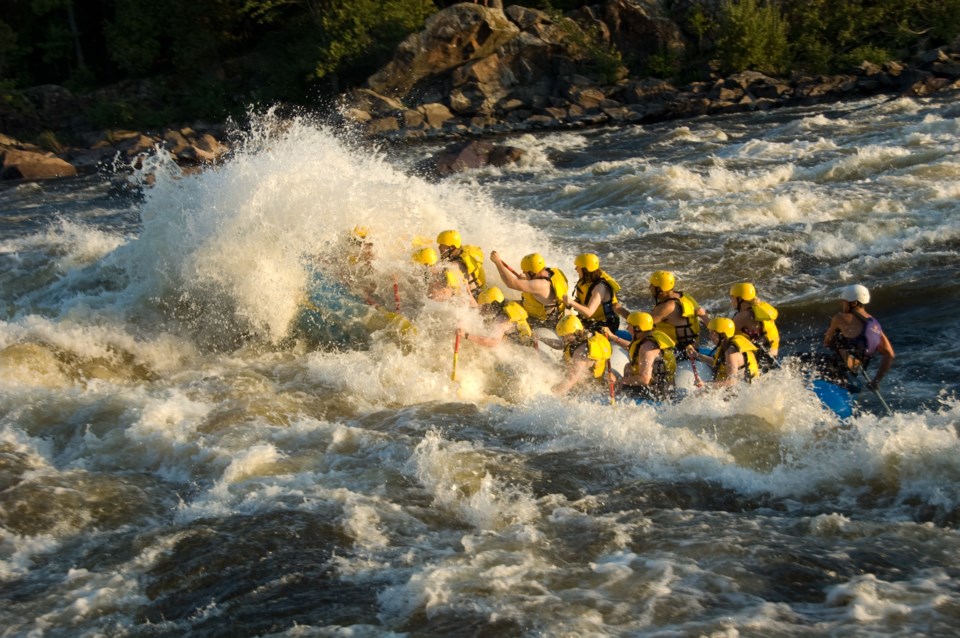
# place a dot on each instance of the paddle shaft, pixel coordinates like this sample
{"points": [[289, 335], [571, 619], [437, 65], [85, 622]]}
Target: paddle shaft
{"points": [[456, 354], [693, 364], [876, 392], [508, 267]]}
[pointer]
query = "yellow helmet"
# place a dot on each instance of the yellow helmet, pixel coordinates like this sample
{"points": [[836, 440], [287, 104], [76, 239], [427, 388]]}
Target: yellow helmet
{"points": [[569, 325], [426, 256], [360, 232], [642, 320], [723, 325], [744, 290], [449, 238], [533, 263], [662, 279], [587, 261], [490, 295]]}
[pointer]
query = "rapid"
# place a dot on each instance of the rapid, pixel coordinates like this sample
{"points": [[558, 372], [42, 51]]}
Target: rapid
{"points": [[206, 431]]}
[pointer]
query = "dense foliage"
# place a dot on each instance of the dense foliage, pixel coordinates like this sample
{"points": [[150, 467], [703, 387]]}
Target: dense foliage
{"points": [[210, 58]]}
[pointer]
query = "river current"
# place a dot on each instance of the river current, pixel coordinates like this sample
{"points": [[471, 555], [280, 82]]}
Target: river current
{"points": [[205, 432]]}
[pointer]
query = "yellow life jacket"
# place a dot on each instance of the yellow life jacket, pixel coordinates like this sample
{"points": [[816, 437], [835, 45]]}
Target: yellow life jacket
{"points": [[514, 312], [453, 278], [742, 345], [604, 311], [598, 349], [766, 315], [689, 331], [666, 364], [472, 259], [541, 312]]}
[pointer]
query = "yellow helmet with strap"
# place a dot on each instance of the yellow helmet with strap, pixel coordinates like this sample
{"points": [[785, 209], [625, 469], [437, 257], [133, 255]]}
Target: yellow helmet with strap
{"points": [[722, 325], [490, 295], [533, 263], [426, 256], [449, 238], [642, 320], [663, 279], [569, 325], [588, 261], [743, 290]]}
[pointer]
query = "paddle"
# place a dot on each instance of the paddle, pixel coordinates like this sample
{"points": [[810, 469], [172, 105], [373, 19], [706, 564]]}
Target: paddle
{"points": [[396, 293], [876, 392], [613, 398], [508, 267], [693, 364], [456, 354]]}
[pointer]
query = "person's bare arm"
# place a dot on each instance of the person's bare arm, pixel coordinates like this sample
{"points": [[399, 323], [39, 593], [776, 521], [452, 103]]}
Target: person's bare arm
{"points": [[648, 355], [734, 364], [831, 334], [596, 298], [888, 355], [578, 369]]}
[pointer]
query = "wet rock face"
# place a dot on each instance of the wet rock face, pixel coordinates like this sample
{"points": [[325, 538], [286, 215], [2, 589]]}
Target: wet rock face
{"points": [[450, 38], [470, 155], [19, 164], [475, 71]]}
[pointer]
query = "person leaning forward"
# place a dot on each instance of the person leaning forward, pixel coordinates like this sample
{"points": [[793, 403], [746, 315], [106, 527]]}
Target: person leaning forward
{"points": [[733, 358], [675, 313], [468, 258], [503, 319], [651, 370], [583, 351], [855, 336], [595, 295], [756, 320], [541, 289], [441, 283]]}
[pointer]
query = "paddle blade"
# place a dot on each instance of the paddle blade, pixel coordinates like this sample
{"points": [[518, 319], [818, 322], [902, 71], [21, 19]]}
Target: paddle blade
{"points": [[834, 397]]}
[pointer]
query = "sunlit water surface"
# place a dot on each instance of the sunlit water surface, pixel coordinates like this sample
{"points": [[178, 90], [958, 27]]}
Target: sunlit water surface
{"points": [[203, 433]]}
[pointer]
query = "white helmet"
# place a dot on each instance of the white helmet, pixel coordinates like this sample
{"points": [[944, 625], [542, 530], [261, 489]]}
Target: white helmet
{"points": [[856, 292]]}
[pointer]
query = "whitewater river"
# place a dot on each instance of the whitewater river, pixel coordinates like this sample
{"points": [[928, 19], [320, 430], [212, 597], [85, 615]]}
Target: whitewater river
{"points": [[202, 433]]}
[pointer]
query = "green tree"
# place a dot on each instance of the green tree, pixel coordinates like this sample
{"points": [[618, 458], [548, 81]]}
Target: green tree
{"points": [[752, 36], [8, 45], [357, 36]]}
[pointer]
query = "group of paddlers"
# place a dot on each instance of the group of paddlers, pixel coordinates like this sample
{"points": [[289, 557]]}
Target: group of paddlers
{"points": [[586, 319]]}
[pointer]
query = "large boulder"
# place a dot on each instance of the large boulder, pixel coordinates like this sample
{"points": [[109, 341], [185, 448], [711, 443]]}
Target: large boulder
{"points": [[479, 85], [19, 164], [533, 64], [450, 38], [464, 156]]}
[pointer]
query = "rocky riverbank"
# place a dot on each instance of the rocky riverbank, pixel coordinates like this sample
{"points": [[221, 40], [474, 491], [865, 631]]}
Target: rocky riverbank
{"points": [[478, 72]]}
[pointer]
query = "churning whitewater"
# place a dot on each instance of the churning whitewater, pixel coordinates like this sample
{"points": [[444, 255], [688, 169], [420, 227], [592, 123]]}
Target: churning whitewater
{"points": [[206, 430]]}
